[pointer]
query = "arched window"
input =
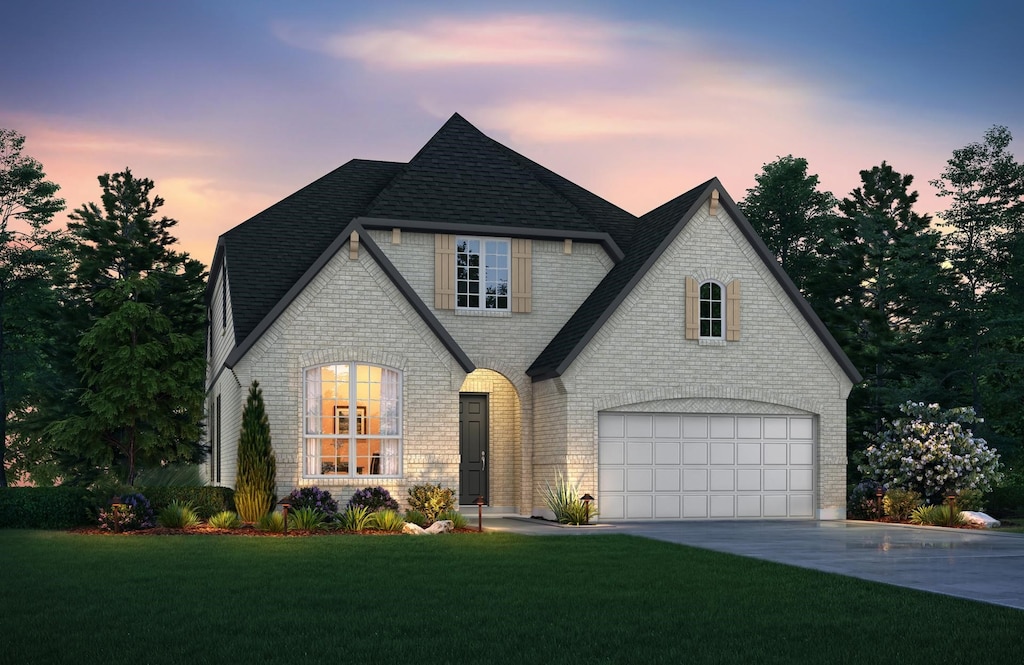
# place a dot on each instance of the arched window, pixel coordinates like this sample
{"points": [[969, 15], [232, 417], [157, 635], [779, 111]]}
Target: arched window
{"points": [[353, 420], [712, 310]]}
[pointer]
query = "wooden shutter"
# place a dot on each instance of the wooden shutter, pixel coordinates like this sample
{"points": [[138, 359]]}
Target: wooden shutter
{"points": [[522, 275], [732, 311], [692, 309], [444, 271]]}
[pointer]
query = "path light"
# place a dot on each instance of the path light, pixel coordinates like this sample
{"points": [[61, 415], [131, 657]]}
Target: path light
{"points": [[879, 493], [586, 504], [953, 512], [479, 513], [116, 506], [285, 504]]}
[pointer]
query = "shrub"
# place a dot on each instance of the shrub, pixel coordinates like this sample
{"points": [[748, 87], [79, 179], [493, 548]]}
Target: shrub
{"points": [[356, 518], [387, 520], [170, 475], [131, 514], [205, 500], [257, 469], [178, 515], [431, 500], [940, 515], [1007, 498], [458, 520], [225, 519], [970, 500], [565, 502], [899, 503], [932, 452], [307, 519], [45, 507], [374, 498], [862, 503], [416, 517], [273, 522], [316, 498]]}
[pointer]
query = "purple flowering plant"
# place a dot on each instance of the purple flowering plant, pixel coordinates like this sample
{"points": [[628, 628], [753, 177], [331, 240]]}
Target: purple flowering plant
{"points": [[132, 513], [373, 498], [315, 498]]}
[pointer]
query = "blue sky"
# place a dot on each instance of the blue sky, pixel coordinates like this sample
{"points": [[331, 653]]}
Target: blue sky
{"points": [[230, 106]]}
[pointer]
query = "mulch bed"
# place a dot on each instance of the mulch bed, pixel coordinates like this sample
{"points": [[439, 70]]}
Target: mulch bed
{"points": [[246, 530]]}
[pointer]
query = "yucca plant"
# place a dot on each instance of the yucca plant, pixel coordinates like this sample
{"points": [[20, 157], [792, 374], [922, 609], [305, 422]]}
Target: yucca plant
{"points": [[307, 519], [941, 515], [356, 518], [273, 522], [565, 502], [178, 515], [388, 520], [457, 519], [225, 519], [416, 517], [257, 469]]}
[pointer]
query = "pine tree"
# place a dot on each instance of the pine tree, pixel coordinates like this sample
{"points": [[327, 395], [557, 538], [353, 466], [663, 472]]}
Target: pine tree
{"points": [[255, 484], [140, 359]]}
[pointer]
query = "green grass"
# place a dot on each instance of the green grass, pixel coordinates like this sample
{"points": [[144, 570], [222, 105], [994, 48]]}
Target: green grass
{"points": [[464, 598]]}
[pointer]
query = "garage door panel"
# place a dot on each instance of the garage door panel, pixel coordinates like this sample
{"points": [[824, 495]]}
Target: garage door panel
{"points": [[776, 453], [639, 426], [667, 507], [667, 480], [695, 452], [705, 466], [748, 453], [612, 452], [667, 452], [722, 505], [748, 505], [695, 480], [639, 506], [723, 480], [639, 452], [748, 480], [723, 453]]}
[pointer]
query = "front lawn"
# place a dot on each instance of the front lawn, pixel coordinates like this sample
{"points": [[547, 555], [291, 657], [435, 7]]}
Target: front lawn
{"points": [[465, 598]]}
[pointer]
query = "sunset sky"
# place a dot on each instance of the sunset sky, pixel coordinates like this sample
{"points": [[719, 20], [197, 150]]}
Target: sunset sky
{"points": [[230, 106]]}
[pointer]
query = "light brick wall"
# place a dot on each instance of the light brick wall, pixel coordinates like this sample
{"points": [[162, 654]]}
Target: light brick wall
{"points": [[352, 312], [640, 359]]}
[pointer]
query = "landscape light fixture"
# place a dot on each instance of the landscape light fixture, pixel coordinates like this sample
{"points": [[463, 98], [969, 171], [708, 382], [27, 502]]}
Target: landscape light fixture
{"points": [[285, 504], [586, 503], [479, 513]]}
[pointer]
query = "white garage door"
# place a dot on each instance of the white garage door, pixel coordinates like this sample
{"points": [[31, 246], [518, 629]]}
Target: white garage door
{"points": [[681, 466]]}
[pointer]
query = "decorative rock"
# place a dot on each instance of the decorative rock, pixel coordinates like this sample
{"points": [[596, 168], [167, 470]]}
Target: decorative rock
{"points": [[441, 526], [414, 529], [980, 519]]}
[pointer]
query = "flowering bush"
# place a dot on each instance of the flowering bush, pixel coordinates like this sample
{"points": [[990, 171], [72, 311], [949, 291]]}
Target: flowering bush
{"points": [[373, 498], [132, 513], [863, 503], [315, 498], [932, 452]]}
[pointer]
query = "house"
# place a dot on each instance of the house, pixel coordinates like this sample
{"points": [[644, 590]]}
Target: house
{"points": [[472, 319]]}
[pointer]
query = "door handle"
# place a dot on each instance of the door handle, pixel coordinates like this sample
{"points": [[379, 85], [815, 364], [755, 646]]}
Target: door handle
{"points": [[483, 460]]}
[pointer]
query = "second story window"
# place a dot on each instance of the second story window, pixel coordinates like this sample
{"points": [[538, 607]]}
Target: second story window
{"points": [[712, 311], [482, 273]]}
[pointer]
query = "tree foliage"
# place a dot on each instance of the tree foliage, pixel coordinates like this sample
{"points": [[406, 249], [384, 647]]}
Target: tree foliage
{"points": [[32, 263], [139, 360]]}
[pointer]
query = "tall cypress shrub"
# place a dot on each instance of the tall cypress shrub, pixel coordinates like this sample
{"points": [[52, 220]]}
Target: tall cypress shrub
{"points": [[255, 485]]}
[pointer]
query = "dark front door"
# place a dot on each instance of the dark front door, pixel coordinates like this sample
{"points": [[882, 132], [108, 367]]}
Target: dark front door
{"points": [[473, 448]]}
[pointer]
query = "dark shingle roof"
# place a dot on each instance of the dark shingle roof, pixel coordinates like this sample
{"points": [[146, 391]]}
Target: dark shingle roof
{"points": [[267, 254]]}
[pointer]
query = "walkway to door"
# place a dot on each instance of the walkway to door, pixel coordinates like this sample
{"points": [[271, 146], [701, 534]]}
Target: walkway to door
{"points": [[967, 563]]}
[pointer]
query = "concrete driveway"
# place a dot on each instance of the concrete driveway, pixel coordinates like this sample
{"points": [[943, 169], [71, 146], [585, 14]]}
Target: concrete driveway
{"points": [[970, 564]]}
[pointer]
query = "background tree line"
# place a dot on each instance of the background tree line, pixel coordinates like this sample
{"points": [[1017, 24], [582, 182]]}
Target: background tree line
{"points": [[102, 331], [928, 310]]}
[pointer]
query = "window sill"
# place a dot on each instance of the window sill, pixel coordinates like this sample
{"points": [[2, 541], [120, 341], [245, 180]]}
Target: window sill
{"points": [[497, 313], [711, 341]]}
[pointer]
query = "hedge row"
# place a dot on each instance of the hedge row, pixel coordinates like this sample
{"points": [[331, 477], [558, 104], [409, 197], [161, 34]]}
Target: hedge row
{"points": [[45, 507], [67, 507]]}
